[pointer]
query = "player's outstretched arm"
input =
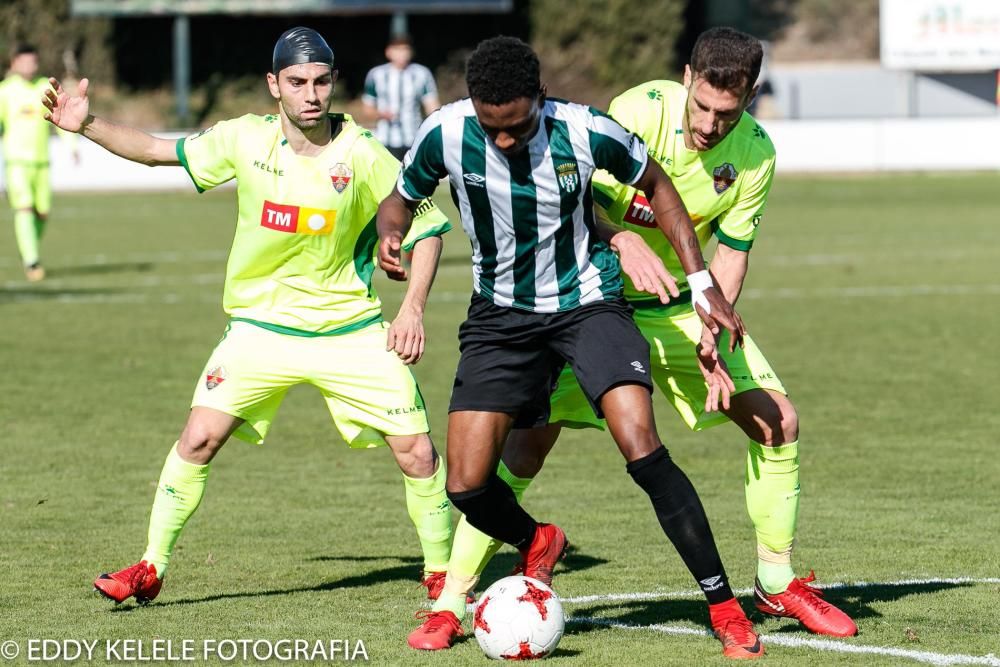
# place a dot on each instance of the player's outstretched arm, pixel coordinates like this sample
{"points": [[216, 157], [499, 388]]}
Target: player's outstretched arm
{"points": [[406, 333], [643, 266], [72, 114], [673, 220], [392, 222]]}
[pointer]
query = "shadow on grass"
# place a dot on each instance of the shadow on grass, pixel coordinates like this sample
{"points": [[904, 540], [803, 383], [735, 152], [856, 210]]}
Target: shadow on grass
{"points": [[408, 572], [99, 269], [855, 600]]}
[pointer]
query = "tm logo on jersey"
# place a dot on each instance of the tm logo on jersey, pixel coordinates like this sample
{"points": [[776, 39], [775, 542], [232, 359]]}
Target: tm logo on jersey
{"points": [[639, 212], [297, 219]]}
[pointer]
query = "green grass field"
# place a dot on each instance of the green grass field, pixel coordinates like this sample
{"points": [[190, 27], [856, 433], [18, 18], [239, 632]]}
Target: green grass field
{"points": [[875, 298]]}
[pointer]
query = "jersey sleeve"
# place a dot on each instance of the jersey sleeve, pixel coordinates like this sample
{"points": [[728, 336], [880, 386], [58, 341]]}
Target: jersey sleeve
{"points": [[370, 94], [737, 227], [428, 220], [423, 165], [209, 156], [615, 149]]}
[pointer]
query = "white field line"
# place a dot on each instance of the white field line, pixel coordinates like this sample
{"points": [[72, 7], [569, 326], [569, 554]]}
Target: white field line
{"points": [[692, 593], [928, 657]]}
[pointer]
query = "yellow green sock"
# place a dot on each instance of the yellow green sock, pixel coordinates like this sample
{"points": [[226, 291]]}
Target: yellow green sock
{"points": [[27, 236], [178, 495], [772, 496], [470, 553], [430, 510]]}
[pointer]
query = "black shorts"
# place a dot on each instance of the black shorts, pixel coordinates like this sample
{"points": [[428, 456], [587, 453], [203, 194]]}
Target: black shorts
{"points": [[511, 358], [398, 151]]}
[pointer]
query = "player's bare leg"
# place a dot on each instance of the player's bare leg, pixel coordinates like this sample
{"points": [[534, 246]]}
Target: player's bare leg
{"points": [[178, 494], [427, 503], [475, 440], [772, 495], [629, 413]]}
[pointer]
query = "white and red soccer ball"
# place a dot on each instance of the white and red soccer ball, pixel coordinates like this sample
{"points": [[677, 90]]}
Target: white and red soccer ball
{"points": [[518, 618]]}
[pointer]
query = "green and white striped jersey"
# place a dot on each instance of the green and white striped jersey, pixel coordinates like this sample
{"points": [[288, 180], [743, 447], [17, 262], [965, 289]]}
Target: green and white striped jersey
{"points": [[530, 216]]}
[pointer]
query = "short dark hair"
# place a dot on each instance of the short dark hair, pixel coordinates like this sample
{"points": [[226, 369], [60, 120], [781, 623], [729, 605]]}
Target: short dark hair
{"points": [[23, 48], [501, 70], [727, 59], [400, 39]]}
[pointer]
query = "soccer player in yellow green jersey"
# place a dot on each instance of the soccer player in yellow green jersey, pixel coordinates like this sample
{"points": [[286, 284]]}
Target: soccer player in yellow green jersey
{"points": [[299, 294], [26, 154], [722, 163]]}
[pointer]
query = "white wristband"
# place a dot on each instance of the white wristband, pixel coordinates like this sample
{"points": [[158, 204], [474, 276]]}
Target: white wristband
{"points": [[698, 282]]}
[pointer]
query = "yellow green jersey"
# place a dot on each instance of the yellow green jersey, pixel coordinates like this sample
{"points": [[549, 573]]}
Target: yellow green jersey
{"points": [[22, 115], [303, 255], [724, 189]]}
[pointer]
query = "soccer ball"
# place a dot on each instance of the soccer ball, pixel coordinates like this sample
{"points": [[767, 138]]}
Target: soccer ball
{"points": [[518, 618]]}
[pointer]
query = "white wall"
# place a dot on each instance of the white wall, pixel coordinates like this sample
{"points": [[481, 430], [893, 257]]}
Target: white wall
{"points": [[926, 144]]}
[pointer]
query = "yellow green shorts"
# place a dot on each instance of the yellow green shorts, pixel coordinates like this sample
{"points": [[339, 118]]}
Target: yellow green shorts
{"points": [[368, 390], [672, 334], [28, 187]]}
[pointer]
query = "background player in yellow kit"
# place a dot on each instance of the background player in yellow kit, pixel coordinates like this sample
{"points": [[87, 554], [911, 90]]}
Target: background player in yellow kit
{"points": [[26, 154], [299, 293], [722, 164]]}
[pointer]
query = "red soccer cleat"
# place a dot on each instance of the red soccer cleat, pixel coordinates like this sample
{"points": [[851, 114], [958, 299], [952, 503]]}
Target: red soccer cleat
{"points": [[545, 550], [804, 603], [734, 630], [434, 583], [437, 632], [139, 580]]}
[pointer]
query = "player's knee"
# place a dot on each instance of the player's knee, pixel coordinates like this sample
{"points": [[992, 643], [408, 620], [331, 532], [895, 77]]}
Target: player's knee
{"points": [[414, 455], [779, 424], [636, 439], [199, 443]]}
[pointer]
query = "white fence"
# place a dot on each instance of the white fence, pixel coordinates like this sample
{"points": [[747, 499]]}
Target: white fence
{"points": [[803, 146]]}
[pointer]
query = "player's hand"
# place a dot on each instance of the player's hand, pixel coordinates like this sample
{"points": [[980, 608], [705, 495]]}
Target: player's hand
{"points": [[715, 372], [390, 257], [722, 315], [65, 111], [406, 336], [643, 267]]}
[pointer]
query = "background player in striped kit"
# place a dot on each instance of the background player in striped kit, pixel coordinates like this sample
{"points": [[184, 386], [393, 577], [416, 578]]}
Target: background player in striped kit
{"points": [[396, 93], [548, 292]]}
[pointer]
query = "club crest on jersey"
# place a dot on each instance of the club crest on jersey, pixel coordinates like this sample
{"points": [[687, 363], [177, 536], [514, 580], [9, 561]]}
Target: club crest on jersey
{"points": [[723, 177], [569, 178], [340, 176], [215, 377]]}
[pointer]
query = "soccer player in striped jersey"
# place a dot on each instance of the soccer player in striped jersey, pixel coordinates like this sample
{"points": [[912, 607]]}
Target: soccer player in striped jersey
{"points": [[722, 163], [398, 94], [299, 294], [547, 292]]}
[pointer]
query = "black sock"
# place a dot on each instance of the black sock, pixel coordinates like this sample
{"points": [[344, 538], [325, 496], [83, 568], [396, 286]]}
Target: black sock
{"points": [[683, 519], [493, 509]]}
